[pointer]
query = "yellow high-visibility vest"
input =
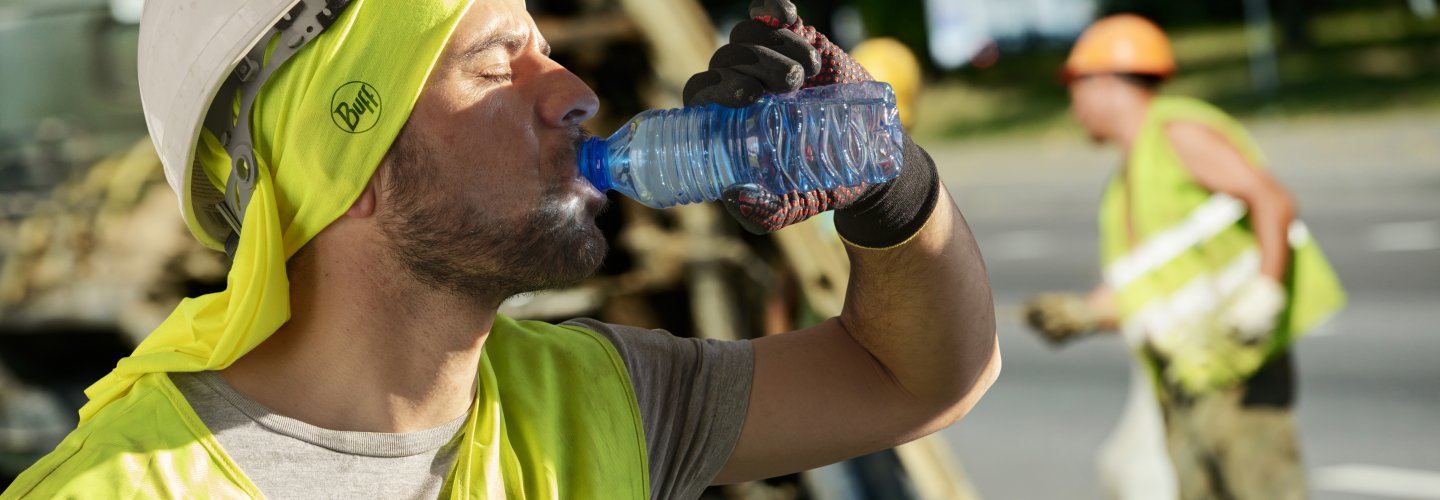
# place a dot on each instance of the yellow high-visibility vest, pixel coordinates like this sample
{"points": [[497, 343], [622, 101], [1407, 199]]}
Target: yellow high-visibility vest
{"points": [[1192, 250], [555, 418]]}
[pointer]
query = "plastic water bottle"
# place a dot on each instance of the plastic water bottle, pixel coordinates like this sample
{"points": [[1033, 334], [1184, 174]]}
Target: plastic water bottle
{"points": [[817, 138]]}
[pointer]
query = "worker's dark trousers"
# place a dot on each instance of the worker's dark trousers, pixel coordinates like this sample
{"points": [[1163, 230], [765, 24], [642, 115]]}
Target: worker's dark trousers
{"points": [[1237, 443]]}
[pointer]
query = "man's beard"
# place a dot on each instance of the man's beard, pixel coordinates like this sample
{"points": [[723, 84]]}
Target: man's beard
{"points": [[467, 250]]}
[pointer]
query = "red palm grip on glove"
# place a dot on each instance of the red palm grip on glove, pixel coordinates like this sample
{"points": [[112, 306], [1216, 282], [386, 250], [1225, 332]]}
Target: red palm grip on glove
{"points": [[835, 65], [761, 211]]}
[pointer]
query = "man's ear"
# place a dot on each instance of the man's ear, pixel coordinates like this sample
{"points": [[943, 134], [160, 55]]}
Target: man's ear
{"points": [[364, 206]]}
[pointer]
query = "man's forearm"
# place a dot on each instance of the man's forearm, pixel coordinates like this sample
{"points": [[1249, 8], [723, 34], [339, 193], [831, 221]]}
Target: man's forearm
{"points": [[1102, 302], [1270, 218], [924, 310]]}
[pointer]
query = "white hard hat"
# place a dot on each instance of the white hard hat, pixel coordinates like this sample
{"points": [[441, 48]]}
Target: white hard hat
{"points": [[193, 53]]}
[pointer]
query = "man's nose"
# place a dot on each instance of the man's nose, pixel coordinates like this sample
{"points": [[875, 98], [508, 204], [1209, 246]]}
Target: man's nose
{"points": [[566, 100]]}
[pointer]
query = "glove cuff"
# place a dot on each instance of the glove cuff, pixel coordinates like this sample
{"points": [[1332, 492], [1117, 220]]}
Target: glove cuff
{"points": [[891, 213]]}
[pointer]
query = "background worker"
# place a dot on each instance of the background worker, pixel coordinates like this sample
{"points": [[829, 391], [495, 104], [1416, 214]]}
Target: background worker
{"points": [[396, 169], [1208, 275]]}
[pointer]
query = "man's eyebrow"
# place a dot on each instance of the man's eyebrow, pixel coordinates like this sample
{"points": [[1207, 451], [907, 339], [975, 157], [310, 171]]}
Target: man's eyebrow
{"points": [[511, 41]]}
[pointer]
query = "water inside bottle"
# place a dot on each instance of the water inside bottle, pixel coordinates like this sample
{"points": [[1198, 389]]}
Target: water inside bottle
{"points": [[821, 138]]}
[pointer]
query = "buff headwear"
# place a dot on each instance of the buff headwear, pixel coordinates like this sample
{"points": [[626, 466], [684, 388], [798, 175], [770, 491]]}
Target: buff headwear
{"points": [[321, 126]]}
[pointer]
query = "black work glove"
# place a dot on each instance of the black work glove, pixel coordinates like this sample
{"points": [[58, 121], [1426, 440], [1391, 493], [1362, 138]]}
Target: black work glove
{"points": [[775, 52]]}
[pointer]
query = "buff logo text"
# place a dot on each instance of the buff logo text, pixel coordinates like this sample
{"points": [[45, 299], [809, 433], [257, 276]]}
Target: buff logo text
{"points": [[355, 107]]}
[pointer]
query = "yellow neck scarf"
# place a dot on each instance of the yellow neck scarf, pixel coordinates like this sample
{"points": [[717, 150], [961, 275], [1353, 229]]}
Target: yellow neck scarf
{"points": [[322, 124]]}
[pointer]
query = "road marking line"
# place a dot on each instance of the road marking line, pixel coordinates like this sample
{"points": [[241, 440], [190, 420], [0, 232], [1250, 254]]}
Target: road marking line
{"points": [[1404, 236], [1378, 480]]}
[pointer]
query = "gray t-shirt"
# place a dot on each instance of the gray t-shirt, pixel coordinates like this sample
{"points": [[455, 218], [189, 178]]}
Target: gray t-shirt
{"points": [[692, 396]]}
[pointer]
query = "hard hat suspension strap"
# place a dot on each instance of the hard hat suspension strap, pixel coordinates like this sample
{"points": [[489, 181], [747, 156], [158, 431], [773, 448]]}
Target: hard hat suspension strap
{"points": [[294, 30]]}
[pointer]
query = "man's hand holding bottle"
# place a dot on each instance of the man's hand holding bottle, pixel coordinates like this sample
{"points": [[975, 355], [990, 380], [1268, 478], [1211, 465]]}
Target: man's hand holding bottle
{"points": [[775, 52]]}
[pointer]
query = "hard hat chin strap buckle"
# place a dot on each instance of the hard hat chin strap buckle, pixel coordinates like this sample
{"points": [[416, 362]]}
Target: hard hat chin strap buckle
{"points": [[302, 24]]}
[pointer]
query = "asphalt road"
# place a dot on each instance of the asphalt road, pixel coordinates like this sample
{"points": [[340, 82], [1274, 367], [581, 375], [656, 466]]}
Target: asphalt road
{"points": [[1369, 406]]}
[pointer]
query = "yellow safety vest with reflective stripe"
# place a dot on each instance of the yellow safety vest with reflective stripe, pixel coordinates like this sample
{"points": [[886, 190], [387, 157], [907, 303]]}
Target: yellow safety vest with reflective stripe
{"points": [[1192, 250], [555, 418]]}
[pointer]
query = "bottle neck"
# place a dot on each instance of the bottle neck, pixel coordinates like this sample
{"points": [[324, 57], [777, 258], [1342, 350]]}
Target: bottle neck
{"points": [[591, 158]]}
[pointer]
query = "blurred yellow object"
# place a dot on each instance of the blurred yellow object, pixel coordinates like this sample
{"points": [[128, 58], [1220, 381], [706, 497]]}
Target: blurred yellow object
{"points": [[1122, 43], [892, 62]]}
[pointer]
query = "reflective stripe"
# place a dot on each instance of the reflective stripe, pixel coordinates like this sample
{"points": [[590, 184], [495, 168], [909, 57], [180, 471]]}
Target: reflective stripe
{"points": [[1200, 297], [1299, 235], [1207, 220], [1217, 214]]}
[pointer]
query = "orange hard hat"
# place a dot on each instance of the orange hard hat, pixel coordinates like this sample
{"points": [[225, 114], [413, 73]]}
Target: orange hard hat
{"points": [[1122, 43]]}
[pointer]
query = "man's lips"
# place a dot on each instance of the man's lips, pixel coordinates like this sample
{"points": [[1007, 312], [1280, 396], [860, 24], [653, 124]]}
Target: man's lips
{"points": [[593, 199], [584, 184]]}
